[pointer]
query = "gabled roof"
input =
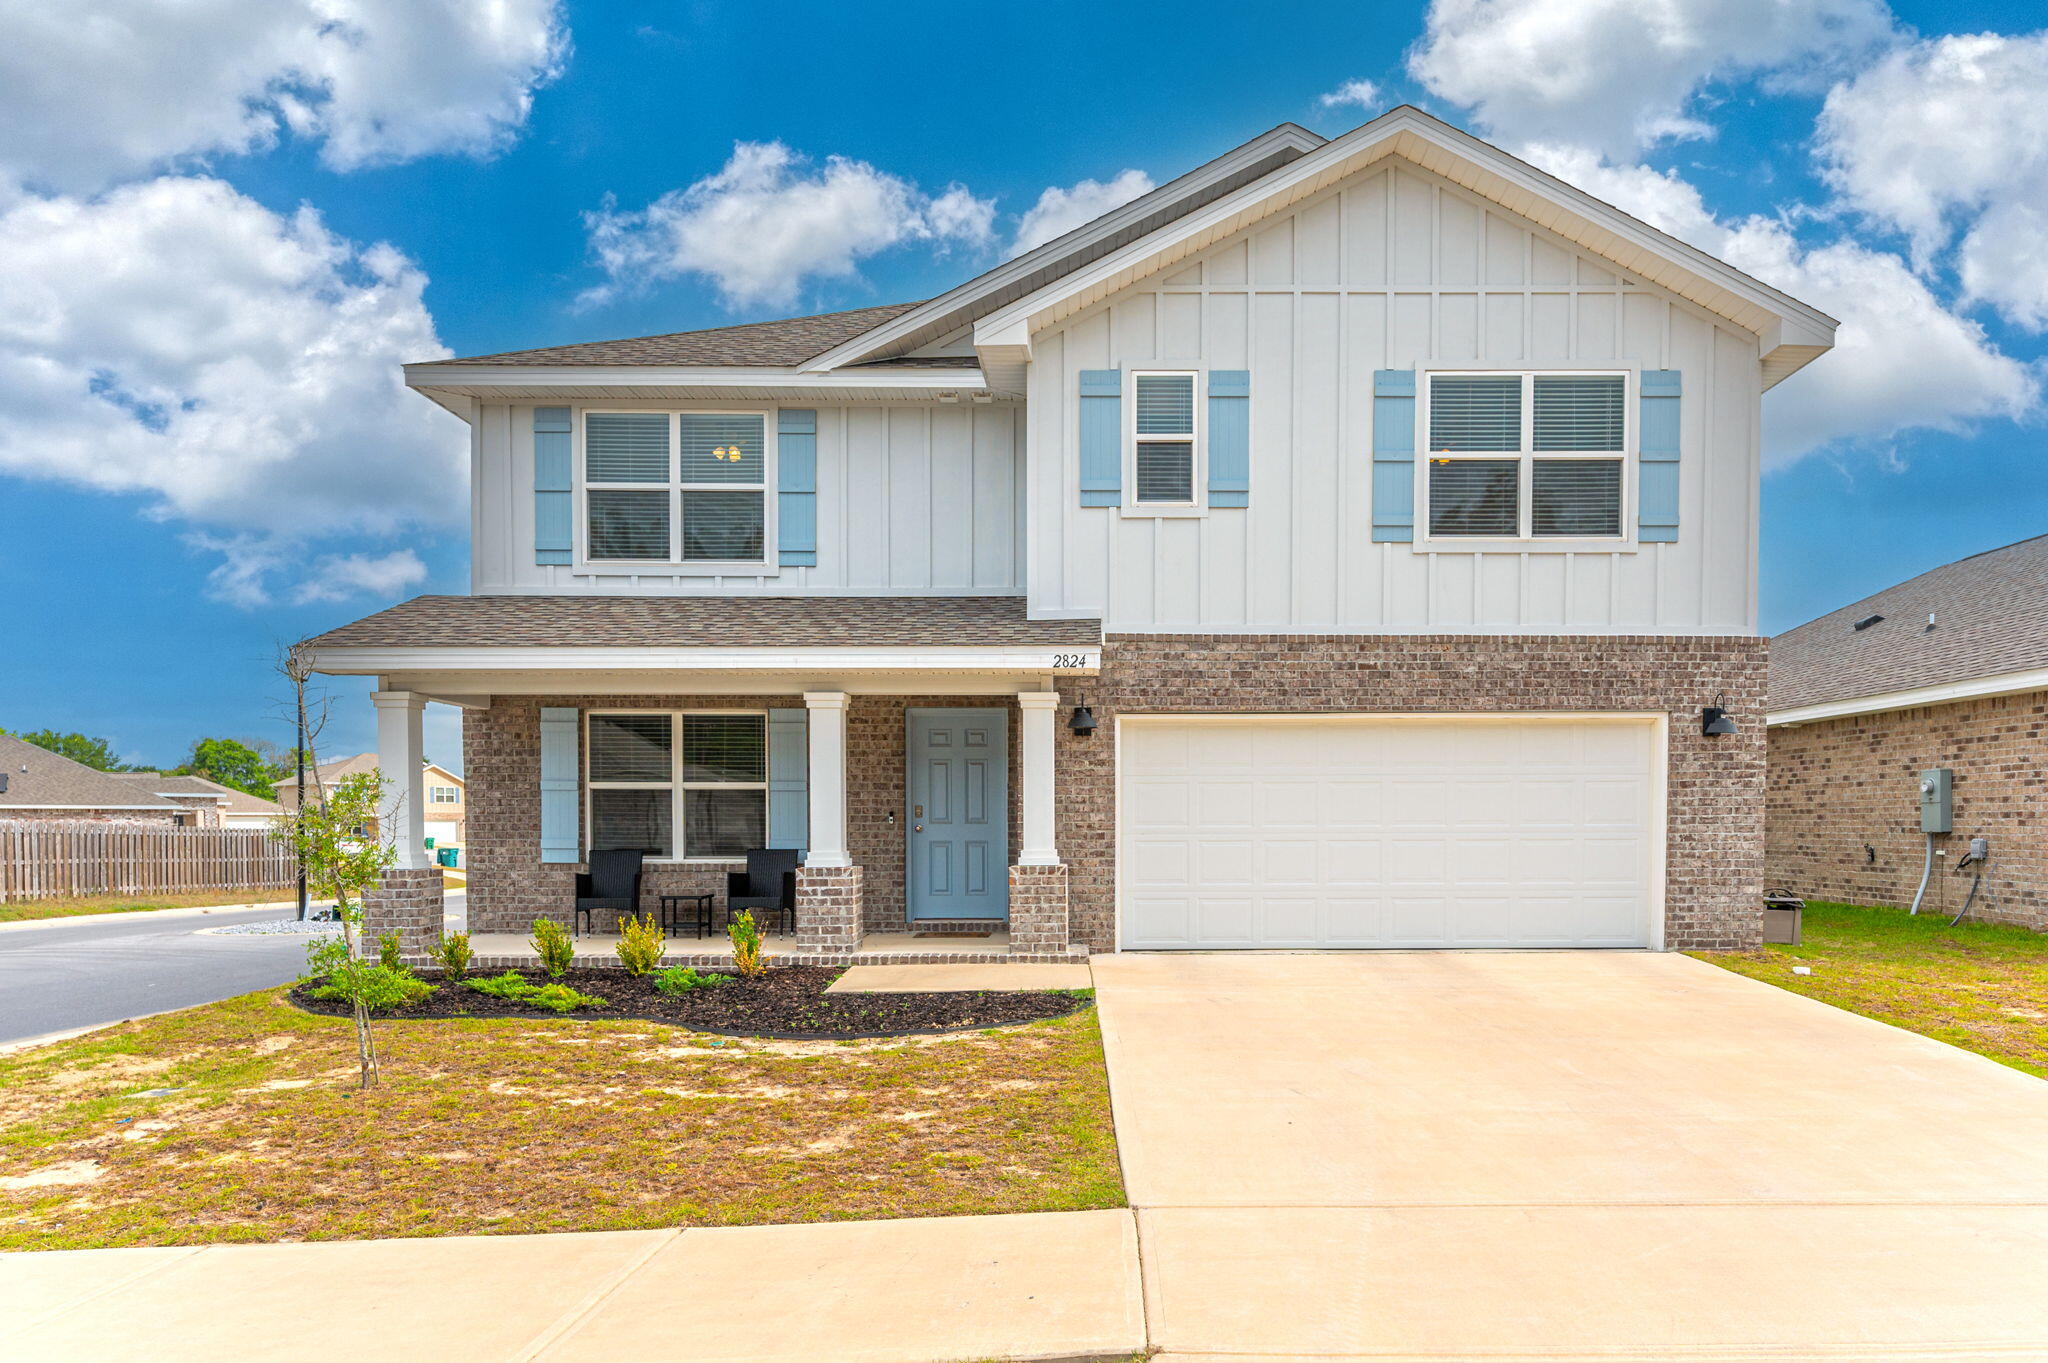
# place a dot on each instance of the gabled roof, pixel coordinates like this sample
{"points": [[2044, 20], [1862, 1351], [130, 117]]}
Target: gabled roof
{"points": [[1989, 631], [232, 801], [40, 779], [784, 342]]}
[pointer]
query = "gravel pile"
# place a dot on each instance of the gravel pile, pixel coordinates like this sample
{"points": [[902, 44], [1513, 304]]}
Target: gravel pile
{"points": [[277, 927]]}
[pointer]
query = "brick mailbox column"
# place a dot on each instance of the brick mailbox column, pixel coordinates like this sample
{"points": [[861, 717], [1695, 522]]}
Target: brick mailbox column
{"points": [[408, 902], [828, 908], [1038, 909]]}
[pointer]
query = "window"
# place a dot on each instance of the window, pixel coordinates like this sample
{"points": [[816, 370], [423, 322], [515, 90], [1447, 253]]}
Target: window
{"points": [[694, 781], [443, 795], [1526, 456], [1163, 439], [688, 487]]}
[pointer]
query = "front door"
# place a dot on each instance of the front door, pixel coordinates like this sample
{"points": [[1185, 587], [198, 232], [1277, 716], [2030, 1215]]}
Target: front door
{"points": [[959, 814]]}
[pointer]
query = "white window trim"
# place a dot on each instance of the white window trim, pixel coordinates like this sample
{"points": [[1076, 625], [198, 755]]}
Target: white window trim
{"points": [[675, 784], [443, 795], [1199, 438], [768, 564], [1525, 541]]}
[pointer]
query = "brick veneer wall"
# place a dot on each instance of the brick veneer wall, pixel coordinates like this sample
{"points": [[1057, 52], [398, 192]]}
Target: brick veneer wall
{"points": [[1842, 785], [407, 902], [152, 818], [1715, 787], [1038, 909]]}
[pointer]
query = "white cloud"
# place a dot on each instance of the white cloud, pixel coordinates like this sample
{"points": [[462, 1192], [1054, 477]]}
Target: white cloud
{"points": [[1360, 93], [337, 577], [236, 369], [1059, 211], [769, 221], [1871, 386], [1951, 135], [92, 94], [1619, 75]]}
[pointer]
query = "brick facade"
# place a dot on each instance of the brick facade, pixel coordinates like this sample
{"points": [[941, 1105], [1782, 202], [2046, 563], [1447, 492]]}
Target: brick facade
{"points": [[1844, 814], [828, 908], [1038, 909], [408, 902]]}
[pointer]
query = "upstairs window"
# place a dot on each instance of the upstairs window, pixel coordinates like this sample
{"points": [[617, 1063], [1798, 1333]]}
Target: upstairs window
{"points": [[443, 795], [664, 487], [1163, 439], [1526, 456]]}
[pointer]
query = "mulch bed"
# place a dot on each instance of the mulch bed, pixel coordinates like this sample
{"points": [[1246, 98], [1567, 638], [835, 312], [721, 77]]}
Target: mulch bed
{"points": [[788, 1002]]}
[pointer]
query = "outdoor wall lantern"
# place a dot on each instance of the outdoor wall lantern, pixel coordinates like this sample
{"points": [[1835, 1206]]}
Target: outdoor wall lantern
{"points": [[1714, 721], [1082, 721]]}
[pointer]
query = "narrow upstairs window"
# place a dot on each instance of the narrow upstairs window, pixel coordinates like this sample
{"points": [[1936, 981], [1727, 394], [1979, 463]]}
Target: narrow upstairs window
{"points": [[1163, 439]]}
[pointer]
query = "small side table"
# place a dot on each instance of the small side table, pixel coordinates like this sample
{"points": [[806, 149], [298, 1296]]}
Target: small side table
{"points": [[672, 911]]}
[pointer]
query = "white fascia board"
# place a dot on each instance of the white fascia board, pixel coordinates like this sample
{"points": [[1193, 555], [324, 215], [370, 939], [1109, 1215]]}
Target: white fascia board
{"points": [[820, 659], [1800, 323], [1976, 688], [682, 376]]}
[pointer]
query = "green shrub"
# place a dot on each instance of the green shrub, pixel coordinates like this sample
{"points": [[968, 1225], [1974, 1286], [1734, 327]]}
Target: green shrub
{"points": [[389, 947], [452, 954], [376, 986], [746, 943], [556, 998], [510, 985], [640, 944], [551, 943], [681, 979]]}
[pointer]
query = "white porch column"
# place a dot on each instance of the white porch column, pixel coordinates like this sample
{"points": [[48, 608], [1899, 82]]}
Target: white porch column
{"points": [[1039, 711], [401, 758], [827, 779]]}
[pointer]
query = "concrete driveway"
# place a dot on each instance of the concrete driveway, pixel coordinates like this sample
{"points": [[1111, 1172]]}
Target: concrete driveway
{"points": [[1563, 1155]]}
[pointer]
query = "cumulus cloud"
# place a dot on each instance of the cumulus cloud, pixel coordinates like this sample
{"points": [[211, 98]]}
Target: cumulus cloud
{"points": [[1362, 94], [1871, 386], [236, 369], [337, 577], [1060, 210], [1620, 75], [770, 220], [88, 97]]}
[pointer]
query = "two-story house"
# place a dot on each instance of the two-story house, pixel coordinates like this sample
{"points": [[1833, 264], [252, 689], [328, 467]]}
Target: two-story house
{"points": [[1351, 543]]}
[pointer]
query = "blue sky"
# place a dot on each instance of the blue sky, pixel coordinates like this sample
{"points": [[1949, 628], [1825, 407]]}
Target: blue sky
{"points": [[192, 204]]}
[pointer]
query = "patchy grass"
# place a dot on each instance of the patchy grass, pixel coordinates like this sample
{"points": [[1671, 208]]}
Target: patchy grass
{"points": [[505, 1126], [24, 910], [1980, 986]]}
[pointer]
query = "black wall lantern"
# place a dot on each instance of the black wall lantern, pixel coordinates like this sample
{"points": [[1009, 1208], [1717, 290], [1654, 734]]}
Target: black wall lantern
{"points": [[1714, 721], [1082, 721]]}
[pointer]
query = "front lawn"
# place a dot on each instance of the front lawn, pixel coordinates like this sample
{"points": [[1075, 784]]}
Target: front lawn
{"points": [[1980, 986], [23, 910], [513, 1125]]}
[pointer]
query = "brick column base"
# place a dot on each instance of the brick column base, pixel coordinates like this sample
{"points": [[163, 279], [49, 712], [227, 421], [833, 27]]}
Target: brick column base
{"points": [[1038, 909], [828, 906], [408, 902]]}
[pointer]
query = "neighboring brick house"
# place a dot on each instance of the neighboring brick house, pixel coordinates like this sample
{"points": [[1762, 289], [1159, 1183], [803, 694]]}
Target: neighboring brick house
{"points": [[38, 784], [211, 804], [1948, 669], [1339, 546]]}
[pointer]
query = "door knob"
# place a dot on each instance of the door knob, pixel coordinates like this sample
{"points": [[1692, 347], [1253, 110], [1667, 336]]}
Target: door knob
{"points": [[917, 828]]}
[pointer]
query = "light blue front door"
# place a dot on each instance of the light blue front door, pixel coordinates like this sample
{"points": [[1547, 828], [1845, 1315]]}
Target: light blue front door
{"points": [[959, 814]]}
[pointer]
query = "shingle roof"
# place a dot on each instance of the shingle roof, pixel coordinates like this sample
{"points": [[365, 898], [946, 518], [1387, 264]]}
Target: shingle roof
{"points": [[38, 778], [787, 341], [232, 800], [1990, 617], [709, 622]]}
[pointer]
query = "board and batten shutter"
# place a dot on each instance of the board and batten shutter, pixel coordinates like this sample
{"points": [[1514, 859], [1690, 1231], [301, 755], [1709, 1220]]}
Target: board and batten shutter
{"points": [[1230, 437], [1657, 483], [796, 503], [1102, 437], [553, 529], [559, 768], [1393, 456], [789, 766]]}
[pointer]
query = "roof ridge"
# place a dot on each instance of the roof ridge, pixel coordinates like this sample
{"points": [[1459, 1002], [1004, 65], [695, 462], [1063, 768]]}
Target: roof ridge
{"points": [[1907, 582]]}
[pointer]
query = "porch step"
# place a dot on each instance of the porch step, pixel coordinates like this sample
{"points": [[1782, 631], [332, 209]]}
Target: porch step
{"points": [[957, 927]]}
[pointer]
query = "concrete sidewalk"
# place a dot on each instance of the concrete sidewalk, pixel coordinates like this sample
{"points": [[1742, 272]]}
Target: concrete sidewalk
{"points": [[938, 1290]]}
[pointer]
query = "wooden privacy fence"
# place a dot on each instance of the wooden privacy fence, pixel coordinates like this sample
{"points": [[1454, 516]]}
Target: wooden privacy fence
{"points": [[56, 860]]}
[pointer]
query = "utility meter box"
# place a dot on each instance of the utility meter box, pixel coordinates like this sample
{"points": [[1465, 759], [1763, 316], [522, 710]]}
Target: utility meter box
{"points": [[1937, 800]]}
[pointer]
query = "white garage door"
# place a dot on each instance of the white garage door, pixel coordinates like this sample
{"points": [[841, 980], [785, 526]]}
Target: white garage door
{"points": [[1386, 832]]}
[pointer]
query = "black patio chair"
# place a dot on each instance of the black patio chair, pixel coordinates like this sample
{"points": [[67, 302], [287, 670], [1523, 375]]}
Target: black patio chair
{"points": [[767, 886], [612, 884]]}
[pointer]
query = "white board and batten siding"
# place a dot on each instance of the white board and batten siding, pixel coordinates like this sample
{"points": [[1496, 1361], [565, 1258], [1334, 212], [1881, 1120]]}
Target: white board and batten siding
{"points": [[912, 499], [1392, 269]]}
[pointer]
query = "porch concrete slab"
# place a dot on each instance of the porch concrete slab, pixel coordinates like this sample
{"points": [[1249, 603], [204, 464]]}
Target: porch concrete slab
{"points": [[944, 979], [1046, 1285], [1721, 1283], [918, 944], [471, 1297]]}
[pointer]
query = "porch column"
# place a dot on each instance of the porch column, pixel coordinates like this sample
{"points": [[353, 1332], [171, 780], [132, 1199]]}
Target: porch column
{"points": [[401, 758], [1039, 712], [828, 779]]}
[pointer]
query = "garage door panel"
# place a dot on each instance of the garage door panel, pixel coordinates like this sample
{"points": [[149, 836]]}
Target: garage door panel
{"points": [[1385, 833]]}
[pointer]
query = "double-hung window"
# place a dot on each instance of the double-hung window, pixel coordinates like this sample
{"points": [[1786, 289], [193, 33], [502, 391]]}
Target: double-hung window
{"points": [[443, 795], [1163, 439], [666, 781], [676, 487], [1526, 456]]}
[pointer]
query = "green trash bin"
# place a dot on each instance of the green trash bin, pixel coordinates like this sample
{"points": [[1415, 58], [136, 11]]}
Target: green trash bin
{"points": [[446, 856]]}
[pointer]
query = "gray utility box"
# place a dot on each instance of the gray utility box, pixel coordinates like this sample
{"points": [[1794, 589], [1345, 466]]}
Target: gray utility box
{"points": [[1937, 800], [1782, 913]]}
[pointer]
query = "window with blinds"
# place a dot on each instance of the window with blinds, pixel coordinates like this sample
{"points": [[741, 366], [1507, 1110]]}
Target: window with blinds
{"points": [[692, 781], [1527, 455], [676, 486], [1163, 439]]}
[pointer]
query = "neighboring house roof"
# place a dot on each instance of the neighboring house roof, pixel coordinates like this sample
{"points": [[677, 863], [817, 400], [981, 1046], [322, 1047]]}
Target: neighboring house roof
{"points": [[232, 801], [40, 779], [709, 622], [787, 341], [1990, 622], [338, 770]]}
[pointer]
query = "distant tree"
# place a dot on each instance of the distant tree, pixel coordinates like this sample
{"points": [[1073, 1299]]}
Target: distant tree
{"points": [[232, 763], [96, 753]]}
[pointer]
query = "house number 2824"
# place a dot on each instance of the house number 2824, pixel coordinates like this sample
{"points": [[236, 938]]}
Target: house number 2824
{"points": [[1070, 660]]}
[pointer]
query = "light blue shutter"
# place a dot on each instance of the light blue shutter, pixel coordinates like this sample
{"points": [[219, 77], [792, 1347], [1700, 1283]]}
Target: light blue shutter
{"points": [[553, 533], [558, 781], [796, 506], [1230, 437], [1393, 456], [1102, 437], [1657, 493], [789, 768]]}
